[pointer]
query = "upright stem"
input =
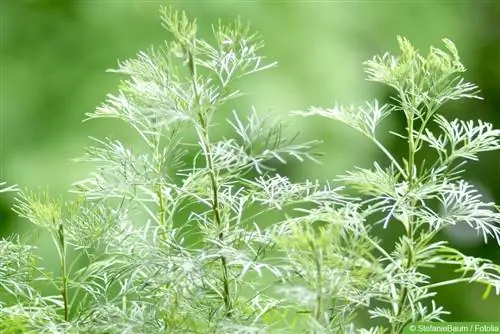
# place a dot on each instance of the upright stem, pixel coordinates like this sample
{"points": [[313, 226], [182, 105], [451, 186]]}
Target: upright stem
{"points": [[403, 294], [159, 192], [411, 151], [161, 205], [61, 246], [319, 293], [205, 141]]}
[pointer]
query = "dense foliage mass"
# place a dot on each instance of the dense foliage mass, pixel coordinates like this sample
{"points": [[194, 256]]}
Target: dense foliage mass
{"points": [[156, 242]]}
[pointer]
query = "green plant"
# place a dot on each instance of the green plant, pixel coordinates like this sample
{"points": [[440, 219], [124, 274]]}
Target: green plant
{"points": [[158, 242]]}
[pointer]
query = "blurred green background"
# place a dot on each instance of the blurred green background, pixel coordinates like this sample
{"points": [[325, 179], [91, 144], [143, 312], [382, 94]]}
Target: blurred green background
{"points": [[54, 56]]}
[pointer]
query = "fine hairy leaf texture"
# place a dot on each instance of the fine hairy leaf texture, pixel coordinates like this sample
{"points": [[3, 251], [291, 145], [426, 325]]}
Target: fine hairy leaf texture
{"points": [[191, 232]]}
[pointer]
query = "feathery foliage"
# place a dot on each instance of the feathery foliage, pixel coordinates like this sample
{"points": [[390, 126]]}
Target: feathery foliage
{"points": [[156, 242]]}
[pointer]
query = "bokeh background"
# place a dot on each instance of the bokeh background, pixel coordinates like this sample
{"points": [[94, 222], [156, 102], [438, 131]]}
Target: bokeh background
{"points": [[54, 55]]}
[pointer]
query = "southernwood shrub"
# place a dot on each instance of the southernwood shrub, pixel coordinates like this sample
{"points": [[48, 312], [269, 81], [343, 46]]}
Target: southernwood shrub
{"points": [[163, 240]]}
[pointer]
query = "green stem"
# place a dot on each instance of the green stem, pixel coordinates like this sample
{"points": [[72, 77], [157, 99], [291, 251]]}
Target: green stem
{"points": [[155, 140], [64, 275], [411, 152], [205, 142], [448, 282], [161, 207], [319, 298], [403, 294], [430, 112]]}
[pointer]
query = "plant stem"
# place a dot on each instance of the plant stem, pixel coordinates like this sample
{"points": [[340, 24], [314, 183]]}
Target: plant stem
{"points": [[448, 282], [403, 295], [411, 151], [61, 245], [161, 205], [319, 298], [205, 142]]}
